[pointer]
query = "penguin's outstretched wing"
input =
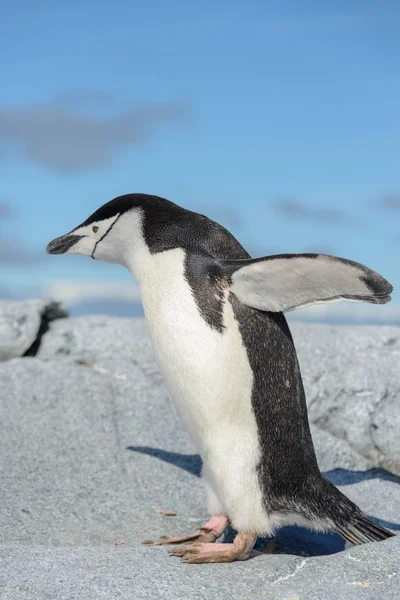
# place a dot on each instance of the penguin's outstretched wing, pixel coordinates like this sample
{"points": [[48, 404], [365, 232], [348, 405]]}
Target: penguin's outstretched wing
{"points": [[283, 282]]}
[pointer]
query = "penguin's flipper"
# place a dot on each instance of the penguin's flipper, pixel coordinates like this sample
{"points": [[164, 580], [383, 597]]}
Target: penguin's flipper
{"points": [[283, 282]]}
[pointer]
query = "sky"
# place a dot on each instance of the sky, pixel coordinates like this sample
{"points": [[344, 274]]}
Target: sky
{"points": [[280, 120]]}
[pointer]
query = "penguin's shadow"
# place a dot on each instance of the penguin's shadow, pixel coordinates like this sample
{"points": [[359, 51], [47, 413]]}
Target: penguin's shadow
{"points": [[289, 540]]}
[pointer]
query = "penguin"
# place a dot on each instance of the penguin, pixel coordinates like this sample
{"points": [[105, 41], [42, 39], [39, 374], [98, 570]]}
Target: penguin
{"points": [[216, 321]]}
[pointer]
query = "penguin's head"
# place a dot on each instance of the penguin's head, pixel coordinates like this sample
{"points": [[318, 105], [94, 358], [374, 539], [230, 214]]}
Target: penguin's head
{"points": [[119, 231], [113, 231], [98, 236]]}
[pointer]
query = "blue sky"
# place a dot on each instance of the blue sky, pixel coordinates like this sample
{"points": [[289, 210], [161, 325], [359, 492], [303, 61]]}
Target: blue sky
{"points": [[279, 119]]}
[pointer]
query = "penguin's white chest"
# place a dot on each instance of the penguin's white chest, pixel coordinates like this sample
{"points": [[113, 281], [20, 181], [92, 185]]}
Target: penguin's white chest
{"points": [[206, 371], [209, 377]]}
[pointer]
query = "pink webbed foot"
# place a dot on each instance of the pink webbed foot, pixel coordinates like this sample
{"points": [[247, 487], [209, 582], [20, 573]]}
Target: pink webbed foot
{"points": [[210, 532], [206, 553]]}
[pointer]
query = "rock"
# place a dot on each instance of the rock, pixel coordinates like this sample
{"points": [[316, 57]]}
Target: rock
{"points": [[102, 341], [385, 429], [139, 573], [22, 324], [67, 474], [92, 446], [332, 452], [352, 386], [350, 373]]}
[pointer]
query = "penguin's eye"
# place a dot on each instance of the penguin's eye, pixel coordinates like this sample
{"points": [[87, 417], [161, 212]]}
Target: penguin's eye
{"points": [[95, 229]]}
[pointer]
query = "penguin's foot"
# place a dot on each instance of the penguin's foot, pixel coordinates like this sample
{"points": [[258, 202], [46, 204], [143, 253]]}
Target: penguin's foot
{"points": [[210, 532], [206, 553]]}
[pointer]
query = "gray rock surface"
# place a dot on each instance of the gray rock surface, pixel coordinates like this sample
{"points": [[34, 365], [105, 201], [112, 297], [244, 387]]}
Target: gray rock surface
{"points": [[21, 323], [140, 573], [91, 446], [351, 377], [351, 373]]}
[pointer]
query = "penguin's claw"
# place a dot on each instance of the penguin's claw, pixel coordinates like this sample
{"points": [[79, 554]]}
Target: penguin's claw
{"points": [[210, 532], [205, 552], [199, 536], [199, 552]]}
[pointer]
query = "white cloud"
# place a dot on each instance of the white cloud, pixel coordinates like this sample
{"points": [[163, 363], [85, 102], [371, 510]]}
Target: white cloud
{"points": [[354, 312], [65, 139], [71, 292]]}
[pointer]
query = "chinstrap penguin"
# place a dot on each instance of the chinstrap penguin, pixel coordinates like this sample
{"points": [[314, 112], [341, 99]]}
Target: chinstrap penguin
{"points": [[224, 347]]}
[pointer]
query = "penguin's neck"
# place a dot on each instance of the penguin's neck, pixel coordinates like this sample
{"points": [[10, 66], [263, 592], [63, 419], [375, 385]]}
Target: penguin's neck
{"points": [[154, 272], [159, 276]]}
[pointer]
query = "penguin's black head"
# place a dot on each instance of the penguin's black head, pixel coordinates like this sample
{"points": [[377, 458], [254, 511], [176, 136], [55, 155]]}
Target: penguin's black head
{"points": [[127, 223], [109, 230]]}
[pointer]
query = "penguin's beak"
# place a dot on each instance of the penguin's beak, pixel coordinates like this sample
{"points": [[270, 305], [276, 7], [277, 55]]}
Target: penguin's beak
{"points": [[62, 244]]}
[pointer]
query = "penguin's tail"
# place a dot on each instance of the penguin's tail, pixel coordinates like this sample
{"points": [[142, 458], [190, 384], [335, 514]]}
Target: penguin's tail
{"points": [[361, 531]]}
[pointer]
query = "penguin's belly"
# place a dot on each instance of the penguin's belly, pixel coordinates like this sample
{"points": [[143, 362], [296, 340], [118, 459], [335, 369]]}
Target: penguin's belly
{"points": [[209, 377], [207, 372]]}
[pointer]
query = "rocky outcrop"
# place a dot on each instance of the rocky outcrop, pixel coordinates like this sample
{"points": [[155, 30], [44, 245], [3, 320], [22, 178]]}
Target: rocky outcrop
{"points": [[351, 376], [92, 447], [22, 325]]}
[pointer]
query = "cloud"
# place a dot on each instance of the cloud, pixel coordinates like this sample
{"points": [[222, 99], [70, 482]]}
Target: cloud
{"points": [[84, 99], [12, 253], [100, 306], [62, 138], [390, 202], [357, 313], [80, 297], [70, 292], [330, 216], [7, 293], [17, 255], [5, 209]]}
